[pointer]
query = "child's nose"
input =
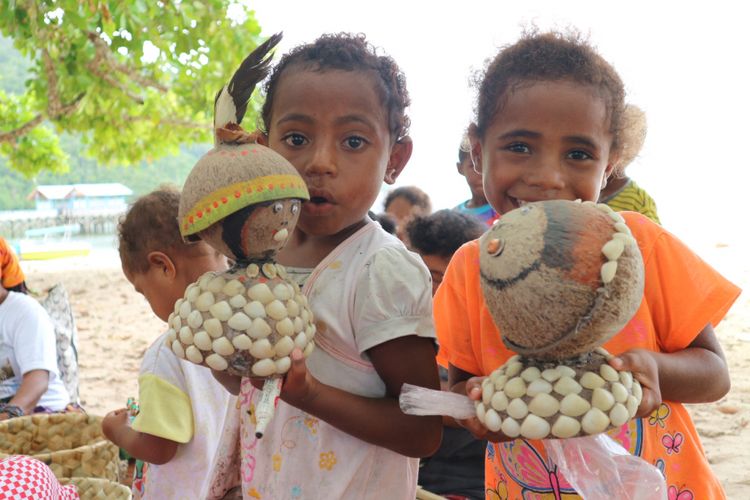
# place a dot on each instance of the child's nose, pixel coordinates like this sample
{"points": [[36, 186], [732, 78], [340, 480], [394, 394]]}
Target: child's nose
{"points": [[322, 161], [548, 175]]}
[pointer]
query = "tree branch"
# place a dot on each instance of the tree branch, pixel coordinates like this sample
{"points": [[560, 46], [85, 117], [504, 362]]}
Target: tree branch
{"points": [[103, 53], [175, 122], [13, 135]]}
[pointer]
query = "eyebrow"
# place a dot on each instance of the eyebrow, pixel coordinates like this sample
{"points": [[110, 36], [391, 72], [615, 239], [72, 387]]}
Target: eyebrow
{"points": [[577, 139], [299, 117]]}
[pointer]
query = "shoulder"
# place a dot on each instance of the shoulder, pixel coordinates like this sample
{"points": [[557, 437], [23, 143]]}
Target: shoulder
{"points": [[25, 310], [159, 359], [646, 232]]}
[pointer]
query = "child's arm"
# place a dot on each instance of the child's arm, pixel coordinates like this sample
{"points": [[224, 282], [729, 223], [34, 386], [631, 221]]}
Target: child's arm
{"points": [[231, 383], [696, 374], [380, 421], [151, 449]]}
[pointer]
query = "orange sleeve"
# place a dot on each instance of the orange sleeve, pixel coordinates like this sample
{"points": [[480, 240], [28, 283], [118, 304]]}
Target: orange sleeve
{"points": [[682, 291], [451, 312], [10, 270]]}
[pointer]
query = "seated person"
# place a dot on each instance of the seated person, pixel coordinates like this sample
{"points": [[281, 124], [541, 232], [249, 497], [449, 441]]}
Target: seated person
{"points": [[456, 470], [29, 377]]}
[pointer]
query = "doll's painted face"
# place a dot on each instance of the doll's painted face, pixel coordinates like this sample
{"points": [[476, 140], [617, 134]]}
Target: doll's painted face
{"points": [[256, 232]]}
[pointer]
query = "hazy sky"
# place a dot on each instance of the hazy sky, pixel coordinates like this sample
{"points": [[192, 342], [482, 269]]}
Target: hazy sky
{"points": [[686, 65]]}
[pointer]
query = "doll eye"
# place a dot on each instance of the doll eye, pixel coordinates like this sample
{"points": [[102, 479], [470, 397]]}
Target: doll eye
{"points": [[295, 208], [277, 207]]}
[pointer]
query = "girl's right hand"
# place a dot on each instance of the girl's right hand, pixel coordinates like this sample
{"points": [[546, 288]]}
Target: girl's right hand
{"points": [[473, 389]]}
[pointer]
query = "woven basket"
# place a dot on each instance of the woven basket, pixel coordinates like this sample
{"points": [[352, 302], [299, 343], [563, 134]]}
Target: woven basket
{"points": [[90, 488], [72, 444]]}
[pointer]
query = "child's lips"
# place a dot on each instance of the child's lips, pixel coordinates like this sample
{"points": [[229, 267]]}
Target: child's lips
{"points": [[320, 203]]}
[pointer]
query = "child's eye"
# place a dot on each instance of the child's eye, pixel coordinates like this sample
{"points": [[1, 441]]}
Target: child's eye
{"points": [[294, 139], [579, 155], [518, 147], [355, 142]]}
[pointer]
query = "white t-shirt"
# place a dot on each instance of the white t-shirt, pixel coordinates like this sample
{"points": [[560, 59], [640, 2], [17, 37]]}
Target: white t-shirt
{"points": [[182, 402], [369, 290], [27, 342]]}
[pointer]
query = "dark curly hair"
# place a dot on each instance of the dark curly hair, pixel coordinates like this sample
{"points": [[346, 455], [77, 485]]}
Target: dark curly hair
{"points": [[150, 224], [347, 52], [443, 232], [413, 195], [543, 57]]}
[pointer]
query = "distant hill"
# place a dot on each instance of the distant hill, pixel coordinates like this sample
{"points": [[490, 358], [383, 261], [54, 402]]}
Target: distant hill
{"points": [[14, 71]]}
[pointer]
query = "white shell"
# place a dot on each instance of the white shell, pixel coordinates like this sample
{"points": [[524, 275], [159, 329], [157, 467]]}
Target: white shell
{"points": [[591, 380], [175, 322], [269, 270], [283, 364], [204, 301], [544, 405], [301, 299], [517, 409], [193, 354], [216, 362], [602, 399], [499, 401], [616, 217], [203, 281], [632, 405], [566, 385], [566, 371], [221, 310], [192, 292], [511, 428], [195, 319], [565, 427], [310, 331], [185, 310], [613, 249], [625, 238], [255, 309], [608, 373], [500, 382], [534, 427], [238, 301], [604, 208], [285, 327], [282, 292], [260, 292], [621, 227], [216, 284], [276, 310], [594, 421], [264, 368], [626, 379], [538, 386], [262, 349], [281, 270], [202, 341], [176, 309], [233, 287], [223, 346], [284, 346], [637, 390], [618, 415], [480, 411], [292, 308], [242, 342], [492, 420], [308, 349], [300, 340], [514, 368], [186, 335], [531, 374], [609, 270], [298, 325], [487, 390], [213, 327], [239, 321], [574, 405], [619, 392], [178, 350], [550, 374], [171, 335], [515, 388], [281, 235], [252, 270]]}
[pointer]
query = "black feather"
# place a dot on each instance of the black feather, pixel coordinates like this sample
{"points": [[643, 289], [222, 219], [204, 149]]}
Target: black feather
{"points": [[252, 71]]}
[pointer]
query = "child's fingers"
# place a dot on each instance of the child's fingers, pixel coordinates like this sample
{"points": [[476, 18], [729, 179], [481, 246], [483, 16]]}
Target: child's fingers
{"points": [[474, 388]]}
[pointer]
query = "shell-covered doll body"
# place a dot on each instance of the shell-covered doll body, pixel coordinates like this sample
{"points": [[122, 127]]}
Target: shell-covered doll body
{"points": [[560, 278]]}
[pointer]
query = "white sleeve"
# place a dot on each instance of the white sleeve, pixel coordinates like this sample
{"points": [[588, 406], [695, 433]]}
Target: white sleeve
{"points": [[160, 361], [393, 298], [34, 342]]}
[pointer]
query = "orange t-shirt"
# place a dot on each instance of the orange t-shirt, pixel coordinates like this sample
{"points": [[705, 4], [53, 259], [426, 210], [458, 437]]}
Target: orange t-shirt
{"points": [[682, 295], [10, 272]]}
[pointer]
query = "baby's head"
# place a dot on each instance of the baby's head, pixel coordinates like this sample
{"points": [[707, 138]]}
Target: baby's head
{"points": [[549, 121], [436, 238], [336, 109], [155, 259], [473, 176], [405, 203]]}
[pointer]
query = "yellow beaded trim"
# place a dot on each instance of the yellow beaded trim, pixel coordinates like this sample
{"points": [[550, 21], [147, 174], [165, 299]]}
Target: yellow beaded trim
{"points": [[229, 199]]}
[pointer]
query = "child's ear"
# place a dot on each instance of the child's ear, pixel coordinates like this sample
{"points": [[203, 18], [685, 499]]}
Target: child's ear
{"points": [[162, 263], [400, 154], [261, 138], [475, 152]]}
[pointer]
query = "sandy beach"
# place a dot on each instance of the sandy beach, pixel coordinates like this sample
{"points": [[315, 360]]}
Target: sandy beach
{"points": [[115, 326]]}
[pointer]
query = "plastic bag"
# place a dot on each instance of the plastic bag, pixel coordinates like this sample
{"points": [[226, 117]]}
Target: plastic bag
{"points": [[598, 467]]}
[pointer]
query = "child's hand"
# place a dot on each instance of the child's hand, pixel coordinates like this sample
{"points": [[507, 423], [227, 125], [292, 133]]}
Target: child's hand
{"points": [[473, 388], [300, 387], [645, 369], [113, 422]]}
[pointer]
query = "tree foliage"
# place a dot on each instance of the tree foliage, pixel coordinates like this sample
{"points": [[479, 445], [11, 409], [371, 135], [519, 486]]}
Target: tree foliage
{"points": [[134, 79]]}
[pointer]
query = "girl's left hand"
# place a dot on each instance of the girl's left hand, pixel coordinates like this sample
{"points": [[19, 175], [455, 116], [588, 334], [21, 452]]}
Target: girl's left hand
{"points": [[645, 369]]}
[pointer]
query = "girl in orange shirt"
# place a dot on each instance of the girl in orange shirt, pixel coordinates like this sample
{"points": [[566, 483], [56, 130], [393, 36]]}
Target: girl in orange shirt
{"points": [[548, 126]]}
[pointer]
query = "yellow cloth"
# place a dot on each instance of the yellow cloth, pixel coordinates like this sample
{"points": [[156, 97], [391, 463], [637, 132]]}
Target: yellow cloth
{"points": [[633, 198], [10, 271], [165, 411]]}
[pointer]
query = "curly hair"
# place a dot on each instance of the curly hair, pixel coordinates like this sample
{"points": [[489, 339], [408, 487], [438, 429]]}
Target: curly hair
{"points": [[633, 135], [544, 57], [347, 52], [149, 224], [443, 232], [413, 195]]}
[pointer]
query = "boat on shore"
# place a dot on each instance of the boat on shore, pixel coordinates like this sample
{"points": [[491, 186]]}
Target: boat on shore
{"points": [[52, 243]]}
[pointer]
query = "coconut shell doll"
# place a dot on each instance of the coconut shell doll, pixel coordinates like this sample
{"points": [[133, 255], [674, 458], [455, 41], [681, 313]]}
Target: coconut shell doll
{"points": [[559, 278], [243, 199]]}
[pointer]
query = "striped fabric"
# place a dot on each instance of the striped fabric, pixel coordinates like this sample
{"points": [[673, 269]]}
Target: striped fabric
{"points": [[635, 199]]}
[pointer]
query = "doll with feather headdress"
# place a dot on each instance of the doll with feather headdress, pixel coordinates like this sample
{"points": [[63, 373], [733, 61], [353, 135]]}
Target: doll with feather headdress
{"points": [[243, 199]]}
